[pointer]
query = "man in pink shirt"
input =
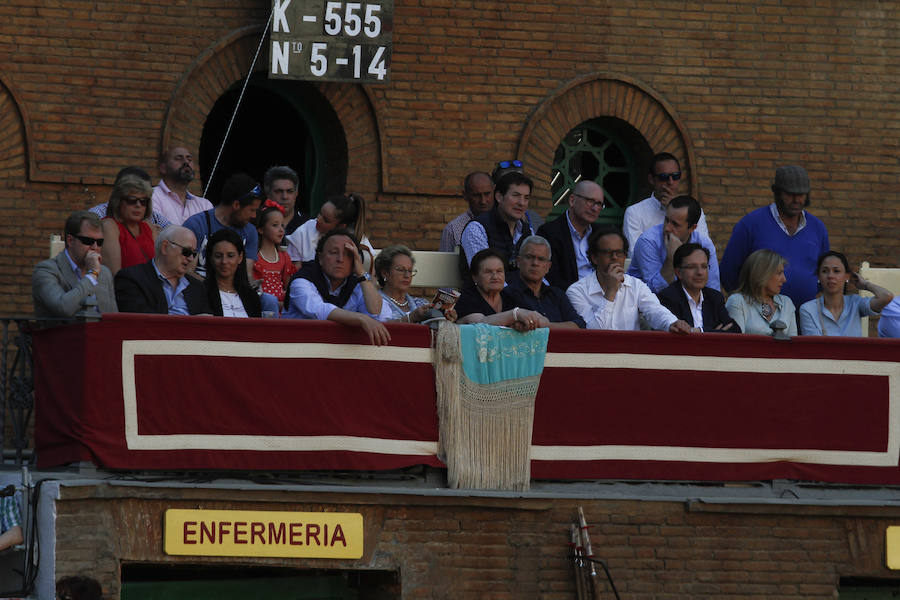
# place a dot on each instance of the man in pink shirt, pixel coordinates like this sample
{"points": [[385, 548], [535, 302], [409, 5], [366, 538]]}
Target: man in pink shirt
{"points": [[171, 197]]}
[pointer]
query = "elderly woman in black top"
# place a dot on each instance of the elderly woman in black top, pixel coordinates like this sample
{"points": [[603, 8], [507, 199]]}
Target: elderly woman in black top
{"points": [[487, 302]]}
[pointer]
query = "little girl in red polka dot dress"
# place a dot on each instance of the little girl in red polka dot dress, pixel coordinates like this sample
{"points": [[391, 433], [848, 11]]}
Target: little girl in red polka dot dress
{"points": [[273, 266]]}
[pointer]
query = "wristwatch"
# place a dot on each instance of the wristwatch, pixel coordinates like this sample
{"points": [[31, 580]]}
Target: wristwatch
{"points": [[363, 277]]}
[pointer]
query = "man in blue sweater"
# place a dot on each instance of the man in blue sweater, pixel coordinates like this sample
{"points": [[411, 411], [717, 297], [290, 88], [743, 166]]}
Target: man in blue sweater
{"points": [[785, 228]]}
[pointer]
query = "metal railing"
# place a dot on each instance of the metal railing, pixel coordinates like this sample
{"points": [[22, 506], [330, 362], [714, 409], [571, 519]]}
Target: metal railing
{"points": [[17, 387]]}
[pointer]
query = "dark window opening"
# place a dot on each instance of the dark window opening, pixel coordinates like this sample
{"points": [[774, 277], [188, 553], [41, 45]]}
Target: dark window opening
{"points": [[278, 123], [237, 582]]}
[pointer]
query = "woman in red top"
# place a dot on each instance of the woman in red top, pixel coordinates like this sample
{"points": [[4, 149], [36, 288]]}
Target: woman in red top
{"points": [[129, 238]]}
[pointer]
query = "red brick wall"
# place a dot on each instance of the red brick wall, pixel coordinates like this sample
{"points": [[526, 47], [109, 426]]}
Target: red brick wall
{"points": [[514, 548], [86, 88]]}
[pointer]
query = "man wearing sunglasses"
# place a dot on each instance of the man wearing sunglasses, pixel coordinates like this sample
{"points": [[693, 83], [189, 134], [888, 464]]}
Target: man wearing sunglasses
{"points": [[783, 227], [61, 285], [665, 176], [240, 199], [162, 285]]}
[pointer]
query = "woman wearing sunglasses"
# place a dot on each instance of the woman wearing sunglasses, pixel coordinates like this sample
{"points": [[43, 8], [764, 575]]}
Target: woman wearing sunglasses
{"points": [[129, 237]]}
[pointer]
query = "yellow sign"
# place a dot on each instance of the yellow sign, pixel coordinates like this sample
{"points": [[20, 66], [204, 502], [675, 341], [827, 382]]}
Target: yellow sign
{"points": [[892, 544], [263, 533]]}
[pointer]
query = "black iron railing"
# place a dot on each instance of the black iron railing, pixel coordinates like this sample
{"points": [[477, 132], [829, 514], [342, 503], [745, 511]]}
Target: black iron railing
{"points": [[17, 387]]}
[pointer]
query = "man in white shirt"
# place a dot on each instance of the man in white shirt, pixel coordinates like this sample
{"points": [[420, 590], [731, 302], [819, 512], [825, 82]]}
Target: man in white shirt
{"points": [[664, 178], [610, 299], [171, 197]]}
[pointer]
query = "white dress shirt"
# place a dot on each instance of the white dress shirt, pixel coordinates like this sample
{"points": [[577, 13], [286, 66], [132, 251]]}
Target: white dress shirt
{"points": [[633, 300]]}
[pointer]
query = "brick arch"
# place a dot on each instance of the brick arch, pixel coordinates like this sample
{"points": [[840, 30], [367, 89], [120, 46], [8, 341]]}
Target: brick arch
{"points": [[227, 61], [13, 135], [602, 95]]}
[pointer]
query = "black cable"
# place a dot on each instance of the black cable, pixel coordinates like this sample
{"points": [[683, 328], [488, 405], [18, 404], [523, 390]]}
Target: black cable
{"points": [[602, 563]]}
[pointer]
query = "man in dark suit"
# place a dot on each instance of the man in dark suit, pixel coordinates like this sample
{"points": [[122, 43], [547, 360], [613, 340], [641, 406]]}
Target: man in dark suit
{"points": [[568, 235], [161, 285], [688, 297], [60, 286]]}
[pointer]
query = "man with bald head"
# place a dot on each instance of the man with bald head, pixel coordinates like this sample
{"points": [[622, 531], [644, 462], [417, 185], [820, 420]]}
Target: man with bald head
{"points": [[171, 197], [568, 234], [478, 191], [162, 285]]}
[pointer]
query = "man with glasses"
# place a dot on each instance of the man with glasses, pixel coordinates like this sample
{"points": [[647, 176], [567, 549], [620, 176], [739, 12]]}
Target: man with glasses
{"points": [[608, 298], [241, 196], [478, 191], [665, 175], [568, 234], [690, 299], [783, 227], [171, 197], [527, 287], [162, 285], [652, 257], [61, 285]]}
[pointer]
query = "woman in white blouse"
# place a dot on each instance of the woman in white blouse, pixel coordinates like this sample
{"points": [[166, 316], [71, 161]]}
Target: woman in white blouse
{"points": [[757, 303], [227, 285]]}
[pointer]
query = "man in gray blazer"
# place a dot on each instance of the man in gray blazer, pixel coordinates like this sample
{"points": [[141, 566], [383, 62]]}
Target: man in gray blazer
{"points": [[60, 285]]}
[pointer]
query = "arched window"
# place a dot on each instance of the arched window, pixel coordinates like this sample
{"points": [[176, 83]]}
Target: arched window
{"points": [[606, 150]]}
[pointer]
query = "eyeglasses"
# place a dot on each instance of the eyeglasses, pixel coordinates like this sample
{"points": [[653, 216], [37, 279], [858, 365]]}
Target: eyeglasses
{"points": [[505, 164], [534, 258], [402, 271], [612, 253], [132, 200], [590, 201], [704, 267], [185, 251], [663, 177], [89, 241]]}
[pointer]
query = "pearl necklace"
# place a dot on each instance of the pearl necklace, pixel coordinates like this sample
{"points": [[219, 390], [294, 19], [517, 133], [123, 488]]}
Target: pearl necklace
{"points": [[400, 305]]}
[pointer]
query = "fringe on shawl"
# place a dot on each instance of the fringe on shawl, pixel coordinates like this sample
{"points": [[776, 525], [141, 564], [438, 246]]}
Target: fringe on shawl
{"points": [[485, 429]]}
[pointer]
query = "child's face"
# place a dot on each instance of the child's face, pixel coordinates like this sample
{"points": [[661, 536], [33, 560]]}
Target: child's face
{"points": [[273, 230]]}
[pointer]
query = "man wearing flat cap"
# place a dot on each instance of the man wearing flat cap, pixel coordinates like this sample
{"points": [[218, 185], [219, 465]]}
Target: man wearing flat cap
{"points": [[786, 228]]}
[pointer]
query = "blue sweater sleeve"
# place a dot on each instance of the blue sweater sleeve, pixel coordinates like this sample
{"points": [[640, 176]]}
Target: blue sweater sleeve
{"points": [[736, 252]]}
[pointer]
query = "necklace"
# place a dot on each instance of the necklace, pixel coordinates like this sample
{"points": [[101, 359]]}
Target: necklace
{"points": [[401, 305], [767, 310], [265, 258]]}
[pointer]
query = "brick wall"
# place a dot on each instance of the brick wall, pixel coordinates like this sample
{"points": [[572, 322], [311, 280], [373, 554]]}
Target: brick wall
{"points": [[87, 87], [514, 548]]}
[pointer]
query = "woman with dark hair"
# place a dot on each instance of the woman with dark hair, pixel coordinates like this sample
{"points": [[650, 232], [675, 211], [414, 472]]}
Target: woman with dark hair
{"points": [[487, 302], [757, 303], [227, 285], [129, 238], [342, 211], [835, 312]]}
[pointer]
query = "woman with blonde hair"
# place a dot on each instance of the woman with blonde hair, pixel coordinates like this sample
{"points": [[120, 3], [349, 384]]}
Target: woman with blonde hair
{"points": [[757, 303]]}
